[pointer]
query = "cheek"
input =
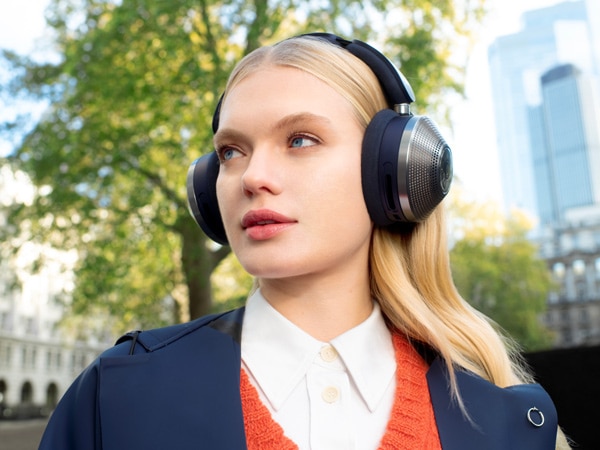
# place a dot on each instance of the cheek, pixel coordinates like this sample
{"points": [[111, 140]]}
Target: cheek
{"points": [[224, 196], [342, 196], [220, 192]]}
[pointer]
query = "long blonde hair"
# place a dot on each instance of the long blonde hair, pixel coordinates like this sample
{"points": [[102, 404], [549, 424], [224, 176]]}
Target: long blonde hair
{"points": [[409, 270]]}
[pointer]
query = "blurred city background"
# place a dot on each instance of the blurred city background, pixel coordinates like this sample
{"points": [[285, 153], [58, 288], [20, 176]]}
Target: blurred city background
{"points": [[104, 105]]}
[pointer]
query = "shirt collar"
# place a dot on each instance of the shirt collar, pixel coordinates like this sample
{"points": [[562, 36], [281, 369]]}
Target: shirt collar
{"points": [[278, 353]]}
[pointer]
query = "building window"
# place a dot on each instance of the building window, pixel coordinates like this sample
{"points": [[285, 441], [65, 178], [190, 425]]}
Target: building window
{"points": [[51, 396], [553, 297], [31, 326], [567, 337], [559, 270], [581, 291], [579, 267], [3, 389], [5, 352], [27, 393], [3, 321]]}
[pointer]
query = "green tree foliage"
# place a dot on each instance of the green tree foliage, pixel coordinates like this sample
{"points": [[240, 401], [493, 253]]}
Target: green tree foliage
{"points": [[497, 269], [131, 101]]}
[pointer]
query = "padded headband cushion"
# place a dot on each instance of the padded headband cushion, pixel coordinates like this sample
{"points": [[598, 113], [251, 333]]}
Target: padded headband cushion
{"points": [[395, 86], [216, 115]]}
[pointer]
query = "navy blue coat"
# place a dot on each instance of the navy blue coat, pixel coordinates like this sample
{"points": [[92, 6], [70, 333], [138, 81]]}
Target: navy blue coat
{"points": [[178, 388]]}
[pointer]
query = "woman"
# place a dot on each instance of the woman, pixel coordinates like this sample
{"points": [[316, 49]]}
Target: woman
{"points": [[355, 337]]}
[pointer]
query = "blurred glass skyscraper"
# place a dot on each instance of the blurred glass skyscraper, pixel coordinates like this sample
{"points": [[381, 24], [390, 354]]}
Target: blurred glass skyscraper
{"points": [[547, 110], [565, 143]]}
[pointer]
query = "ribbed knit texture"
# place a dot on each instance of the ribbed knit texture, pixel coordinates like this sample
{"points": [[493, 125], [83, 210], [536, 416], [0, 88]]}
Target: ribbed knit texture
{"points": [[411, 426]]}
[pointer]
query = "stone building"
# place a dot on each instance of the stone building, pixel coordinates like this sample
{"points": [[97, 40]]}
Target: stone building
{"points": [[572, 252], [38, 358]]}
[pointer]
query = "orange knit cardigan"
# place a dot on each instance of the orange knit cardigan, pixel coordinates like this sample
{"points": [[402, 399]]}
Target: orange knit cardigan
{"points": [[411, 426]]}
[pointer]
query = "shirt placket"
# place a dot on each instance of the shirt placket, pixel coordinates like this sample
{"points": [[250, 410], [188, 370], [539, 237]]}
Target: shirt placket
{"points": [[329, 390]]}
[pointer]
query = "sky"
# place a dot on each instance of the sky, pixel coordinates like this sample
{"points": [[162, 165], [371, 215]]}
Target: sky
{"points": [[472, 138]]}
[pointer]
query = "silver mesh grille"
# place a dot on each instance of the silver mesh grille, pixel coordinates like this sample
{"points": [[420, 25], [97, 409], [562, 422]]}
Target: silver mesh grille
{"points": [[428, 175]]}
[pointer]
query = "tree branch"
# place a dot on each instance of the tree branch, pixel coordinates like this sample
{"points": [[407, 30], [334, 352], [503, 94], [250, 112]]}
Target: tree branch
{"points": [[157, 181]]}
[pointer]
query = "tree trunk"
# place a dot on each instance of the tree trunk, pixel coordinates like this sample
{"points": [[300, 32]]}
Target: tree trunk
{"points": [[198, 263]]}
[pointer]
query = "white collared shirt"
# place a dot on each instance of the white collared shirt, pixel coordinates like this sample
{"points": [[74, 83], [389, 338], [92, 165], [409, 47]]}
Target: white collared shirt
{"points": [[325, 396]]}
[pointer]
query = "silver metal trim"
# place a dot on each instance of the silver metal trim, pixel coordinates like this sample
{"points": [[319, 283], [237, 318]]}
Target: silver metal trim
{"points": [[403, 158], [402, 109]]}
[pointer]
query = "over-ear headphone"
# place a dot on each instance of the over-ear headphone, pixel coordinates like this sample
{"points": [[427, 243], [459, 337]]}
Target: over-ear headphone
{"points": [[406, 163]]}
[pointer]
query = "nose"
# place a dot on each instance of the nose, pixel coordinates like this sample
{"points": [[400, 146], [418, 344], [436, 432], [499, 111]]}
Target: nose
{"points": [[262, 174]]}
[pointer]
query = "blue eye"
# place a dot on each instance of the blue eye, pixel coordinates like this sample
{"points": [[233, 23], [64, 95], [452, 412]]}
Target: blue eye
{"points": [[228, 153], [301, 141]]}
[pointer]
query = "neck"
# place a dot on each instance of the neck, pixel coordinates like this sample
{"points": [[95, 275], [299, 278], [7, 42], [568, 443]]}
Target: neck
{"points": [[323, 309]]}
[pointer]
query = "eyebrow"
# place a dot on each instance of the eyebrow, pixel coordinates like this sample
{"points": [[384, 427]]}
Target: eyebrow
{"points": [[301, 117], [228, 134]]}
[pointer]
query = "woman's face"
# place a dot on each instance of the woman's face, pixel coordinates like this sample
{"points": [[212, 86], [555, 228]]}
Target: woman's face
{"points": [[289, 185]]}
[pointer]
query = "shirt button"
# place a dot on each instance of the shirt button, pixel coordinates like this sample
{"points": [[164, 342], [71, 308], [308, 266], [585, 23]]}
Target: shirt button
{"points": [[330, 394], [328, 353]]}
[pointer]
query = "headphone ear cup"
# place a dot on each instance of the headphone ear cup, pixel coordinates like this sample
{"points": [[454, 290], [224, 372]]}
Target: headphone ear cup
{"points": [[377, 174], [202, 196], [406, 168]]}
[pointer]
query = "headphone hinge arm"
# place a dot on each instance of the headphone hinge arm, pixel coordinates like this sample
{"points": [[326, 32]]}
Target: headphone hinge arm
{"points": [[403, 109]]}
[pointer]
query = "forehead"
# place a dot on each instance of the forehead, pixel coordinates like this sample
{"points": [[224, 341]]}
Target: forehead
{"points": [[272, 91]]}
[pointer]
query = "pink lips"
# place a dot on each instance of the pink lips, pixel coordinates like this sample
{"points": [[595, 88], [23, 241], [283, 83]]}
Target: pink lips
{"points": [[263, 224]]}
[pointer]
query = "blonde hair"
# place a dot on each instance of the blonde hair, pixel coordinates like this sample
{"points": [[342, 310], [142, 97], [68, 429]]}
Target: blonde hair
{"points": [[409, 270]]}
